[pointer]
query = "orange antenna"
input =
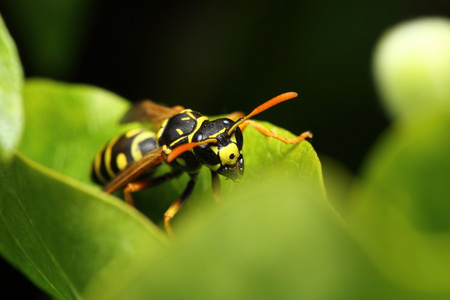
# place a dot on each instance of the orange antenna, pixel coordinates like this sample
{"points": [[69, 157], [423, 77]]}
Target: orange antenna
{"points": [[186, 147], [265, 106]]}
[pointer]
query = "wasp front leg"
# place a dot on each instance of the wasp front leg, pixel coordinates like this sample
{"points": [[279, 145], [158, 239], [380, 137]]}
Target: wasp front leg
{"points": [[133, 187], [235, 115], [216, 187], [269, 133], [175, 207]]}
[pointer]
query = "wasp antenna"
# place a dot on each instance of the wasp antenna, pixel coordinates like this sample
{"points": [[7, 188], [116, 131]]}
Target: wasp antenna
{"points": [[272, 102], [265, 106], [186, 147]]}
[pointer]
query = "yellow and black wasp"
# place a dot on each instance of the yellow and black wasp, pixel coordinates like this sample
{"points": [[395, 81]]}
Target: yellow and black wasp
{"points": [[186, 140]]}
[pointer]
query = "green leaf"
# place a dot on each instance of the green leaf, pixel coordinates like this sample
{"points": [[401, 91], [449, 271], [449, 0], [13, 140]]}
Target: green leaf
{"points": [[75, 242], [412, 66], [275, 239], [401, 209], [11, 112], [64, 235], [67, 237], [68, 124]]}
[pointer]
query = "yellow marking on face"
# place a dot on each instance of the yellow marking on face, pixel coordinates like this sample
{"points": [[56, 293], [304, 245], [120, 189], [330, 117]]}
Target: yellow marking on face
{"points": [[121, 161], [132, 132], [185, 119], [180, 132], [98, 162], [108, 157], [213, 167], [229, 154]]}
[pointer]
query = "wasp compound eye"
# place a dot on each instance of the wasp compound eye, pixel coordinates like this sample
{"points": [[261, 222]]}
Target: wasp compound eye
{"points": [[208, 155]]}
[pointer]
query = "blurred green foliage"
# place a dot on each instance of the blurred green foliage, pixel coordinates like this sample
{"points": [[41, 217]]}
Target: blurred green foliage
{"points": [[383, 235], [51, 32], [11, 78], [412, 66]]}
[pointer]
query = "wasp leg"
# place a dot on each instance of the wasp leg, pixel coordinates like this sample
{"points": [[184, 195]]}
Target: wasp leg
{"points": [[267, 132], [178, 107], [215, 180], [235, 115], [140, 185], [175, 207]]}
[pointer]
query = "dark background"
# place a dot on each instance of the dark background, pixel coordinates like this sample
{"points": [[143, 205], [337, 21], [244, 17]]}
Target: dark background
{"points": [[219, 57]]}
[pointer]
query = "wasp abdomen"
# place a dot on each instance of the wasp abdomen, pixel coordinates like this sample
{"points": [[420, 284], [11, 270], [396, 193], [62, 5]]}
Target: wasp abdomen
{"points": [[121, 152]]}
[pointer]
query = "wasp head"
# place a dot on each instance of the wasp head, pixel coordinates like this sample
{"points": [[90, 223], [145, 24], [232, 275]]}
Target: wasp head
{"points": [[225, 156]]}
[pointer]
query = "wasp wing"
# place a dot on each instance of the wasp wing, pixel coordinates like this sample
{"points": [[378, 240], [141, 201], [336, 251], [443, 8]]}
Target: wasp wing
{"points": [[136, 169], [149, 111]]}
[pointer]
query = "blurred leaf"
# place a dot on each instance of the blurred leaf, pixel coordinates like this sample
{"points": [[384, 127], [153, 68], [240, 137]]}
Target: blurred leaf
{"points": [[274, 240], [412, 66], [66, 237], [401, 210], [68, 124], [11, 111], [338, 181], [50, 41]]}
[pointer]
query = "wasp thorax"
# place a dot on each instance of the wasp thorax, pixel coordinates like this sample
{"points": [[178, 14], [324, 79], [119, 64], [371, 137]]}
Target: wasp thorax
{"points": [[225, 156]]}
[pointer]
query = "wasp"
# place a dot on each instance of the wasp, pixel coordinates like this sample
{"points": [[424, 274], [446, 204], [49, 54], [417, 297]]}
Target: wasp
{"points": [[186, 140]]}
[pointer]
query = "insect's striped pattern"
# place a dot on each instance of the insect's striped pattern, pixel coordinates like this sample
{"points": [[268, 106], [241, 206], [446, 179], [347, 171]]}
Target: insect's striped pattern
{"points": [[120, 152], [186, 140]]}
